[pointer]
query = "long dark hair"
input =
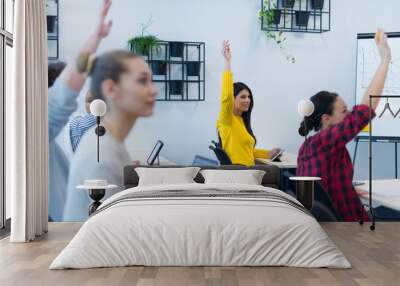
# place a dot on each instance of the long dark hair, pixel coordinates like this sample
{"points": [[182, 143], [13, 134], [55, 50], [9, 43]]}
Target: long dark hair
{"points": [[323, 104], [237, 88], [110, 65]]}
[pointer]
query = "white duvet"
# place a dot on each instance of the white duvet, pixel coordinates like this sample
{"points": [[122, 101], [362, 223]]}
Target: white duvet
{"points": [[200, 231]]}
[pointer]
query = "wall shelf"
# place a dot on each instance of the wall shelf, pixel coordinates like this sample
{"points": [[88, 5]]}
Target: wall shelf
{"points": [[182, 68], [297, 16]]}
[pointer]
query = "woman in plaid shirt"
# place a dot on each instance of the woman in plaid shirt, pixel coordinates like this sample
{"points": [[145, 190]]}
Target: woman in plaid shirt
{"points": [[324, 154]]}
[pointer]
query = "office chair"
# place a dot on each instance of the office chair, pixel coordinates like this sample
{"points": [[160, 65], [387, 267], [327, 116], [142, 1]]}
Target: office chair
{"points": [[220, 153]]}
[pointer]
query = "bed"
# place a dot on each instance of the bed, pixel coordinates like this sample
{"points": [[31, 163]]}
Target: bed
{"points": [[198, 224]]}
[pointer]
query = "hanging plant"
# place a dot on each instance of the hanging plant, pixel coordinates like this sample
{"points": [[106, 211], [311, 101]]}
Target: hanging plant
{"points": [[271, 15]]}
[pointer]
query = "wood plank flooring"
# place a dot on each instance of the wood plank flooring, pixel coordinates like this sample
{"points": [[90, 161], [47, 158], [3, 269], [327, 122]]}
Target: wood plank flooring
{"points": [[375, 257]]}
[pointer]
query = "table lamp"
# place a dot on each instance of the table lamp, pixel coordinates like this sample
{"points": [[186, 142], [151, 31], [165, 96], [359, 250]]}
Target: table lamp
{"points": [[98, 108]]}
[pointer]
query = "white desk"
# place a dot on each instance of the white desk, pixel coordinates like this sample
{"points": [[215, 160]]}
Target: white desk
{"points": [[143, 155], [384, 193]]}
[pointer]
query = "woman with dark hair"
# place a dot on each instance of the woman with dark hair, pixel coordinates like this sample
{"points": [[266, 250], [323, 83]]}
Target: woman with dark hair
{"points": [[65, 83], [234, 121], [324, 154], [124, 81]]}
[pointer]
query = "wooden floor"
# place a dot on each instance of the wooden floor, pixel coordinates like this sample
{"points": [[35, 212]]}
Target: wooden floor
{"points": [[375, 257]]}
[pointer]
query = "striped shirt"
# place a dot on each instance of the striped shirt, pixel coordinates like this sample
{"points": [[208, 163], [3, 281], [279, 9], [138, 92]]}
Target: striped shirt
{"points": [[78, 126]]}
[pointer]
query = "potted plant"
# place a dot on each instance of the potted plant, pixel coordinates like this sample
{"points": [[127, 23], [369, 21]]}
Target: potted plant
{"points": [[193, 68], [159, 67], [176, 49], [273, 16], [270, 14], [289, 4], [142, 44], [317, 4], [276, 16], [176, 87], [302, 18]]}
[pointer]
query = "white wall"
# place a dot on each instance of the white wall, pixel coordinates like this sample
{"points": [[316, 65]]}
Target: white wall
{"points": [[324, 61]]}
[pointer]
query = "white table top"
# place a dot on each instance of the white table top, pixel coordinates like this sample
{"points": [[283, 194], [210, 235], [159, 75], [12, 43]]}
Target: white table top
{"points": [[384, 192], [305, 178], [288, 161], [87, 187]]}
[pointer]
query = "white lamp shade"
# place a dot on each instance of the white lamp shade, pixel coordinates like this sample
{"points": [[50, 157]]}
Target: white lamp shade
{"points": [[98, 107], [305, 107]]}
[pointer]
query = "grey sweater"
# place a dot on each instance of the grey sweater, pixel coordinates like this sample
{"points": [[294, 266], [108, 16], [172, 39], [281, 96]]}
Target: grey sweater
{"points": [[84, 166]]}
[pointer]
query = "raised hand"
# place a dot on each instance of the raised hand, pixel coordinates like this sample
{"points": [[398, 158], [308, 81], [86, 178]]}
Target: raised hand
{"points": [[381, 41], [378, 81], [104, 27], [74, 76], [226, 52]]}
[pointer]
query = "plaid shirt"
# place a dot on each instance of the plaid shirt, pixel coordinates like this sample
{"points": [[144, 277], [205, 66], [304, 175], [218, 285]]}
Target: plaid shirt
{"points": [[325, 155]]}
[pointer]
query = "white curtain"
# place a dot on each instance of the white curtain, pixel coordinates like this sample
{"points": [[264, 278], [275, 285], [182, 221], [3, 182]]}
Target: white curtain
{"points": [[27, 133]]}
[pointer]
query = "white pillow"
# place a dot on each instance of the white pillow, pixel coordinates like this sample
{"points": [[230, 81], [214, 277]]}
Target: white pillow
{"points": [[166, 176], [247, 177]]}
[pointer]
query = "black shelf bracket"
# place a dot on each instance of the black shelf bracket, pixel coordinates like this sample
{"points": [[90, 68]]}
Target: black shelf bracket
{"points": [[178, 70], [52, 28], [296, 16]]}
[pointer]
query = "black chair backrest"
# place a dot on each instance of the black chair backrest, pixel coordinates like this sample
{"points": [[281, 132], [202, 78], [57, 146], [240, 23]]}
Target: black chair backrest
{"points": [[219, 151], [322, 196], [219, 139], [216, 144], [221, 155]]}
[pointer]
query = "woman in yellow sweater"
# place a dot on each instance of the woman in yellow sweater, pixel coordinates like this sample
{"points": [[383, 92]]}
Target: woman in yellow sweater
{"points": [[234, 121]]}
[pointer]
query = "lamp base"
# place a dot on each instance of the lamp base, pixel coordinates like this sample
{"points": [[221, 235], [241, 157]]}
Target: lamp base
{"points": [[96, 195]]}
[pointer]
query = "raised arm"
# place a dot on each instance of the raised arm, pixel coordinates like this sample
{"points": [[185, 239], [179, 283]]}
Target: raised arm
{"points": [[71, 77], [62, 96], [378, 81], [227, 100]]}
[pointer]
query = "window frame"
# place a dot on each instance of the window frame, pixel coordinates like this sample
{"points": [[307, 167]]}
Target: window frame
{"points": [[6, 39]]}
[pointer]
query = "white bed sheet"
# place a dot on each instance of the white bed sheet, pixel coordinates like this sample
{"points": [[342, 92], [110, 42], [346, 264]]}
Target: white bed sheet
{"points": [[200, 232]]}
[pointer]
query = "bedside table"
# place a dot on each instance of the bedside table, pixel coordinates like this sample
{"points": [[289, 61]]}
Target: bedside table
{"points": [[96, 193], [305, 190]]}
